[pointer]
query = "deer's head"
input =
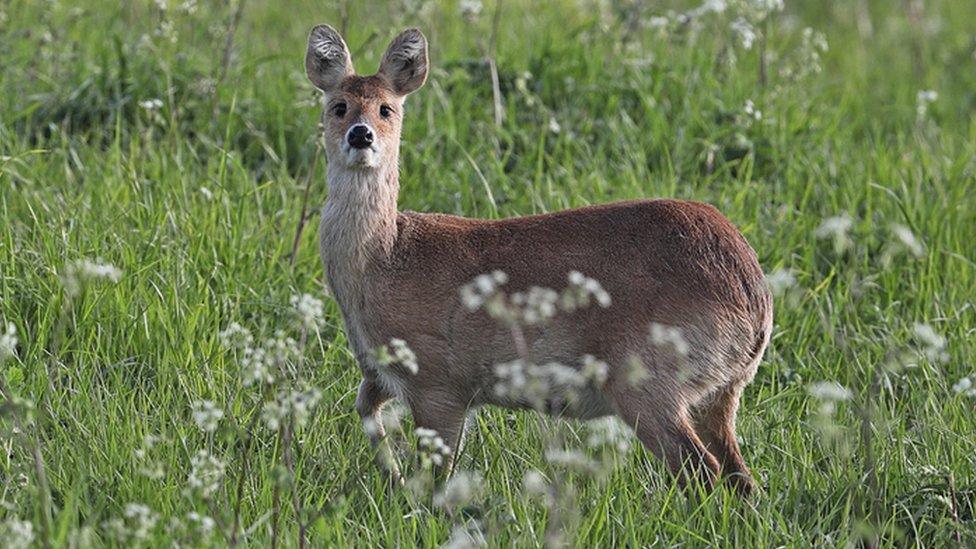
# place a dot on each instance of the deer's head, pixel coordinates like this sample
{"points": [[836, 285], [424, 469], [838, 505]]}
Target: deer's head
{"points": [[363, 114]]}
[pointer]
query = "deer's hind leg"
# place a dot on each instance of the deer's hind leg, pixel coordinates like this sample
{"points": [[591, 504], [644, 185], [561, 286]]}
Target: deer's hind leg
{"points": [[665, 428], [369, 402], [715, 422]]}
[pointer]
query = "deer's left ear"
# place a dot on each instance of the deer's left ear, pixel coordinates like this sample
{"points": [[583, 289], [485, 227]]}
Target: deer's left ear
{"points": [[404, 64]]}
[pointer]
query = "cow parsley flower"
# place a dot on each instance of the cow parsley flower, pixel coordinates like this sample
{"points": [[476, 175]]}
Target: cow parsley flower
{"points": [[206, 474], [309, 310], [16, 533], [207, 415], [663, 335], [744, 29], [151, 104], [965, 386], [780, 281], [923, 99], [836, 229], [933, 345], [460, 490], [433, 449], [85, 271], [8, 342]]}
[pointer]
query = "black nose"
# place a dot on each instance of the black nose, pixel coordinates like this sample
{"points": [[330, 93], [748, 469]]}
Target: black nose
{"points": [[360, 137]]}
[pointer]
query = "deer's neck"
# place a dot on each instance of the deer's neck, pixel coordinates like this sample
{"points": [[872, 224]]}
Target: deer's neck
{"points": [[359, 221]]}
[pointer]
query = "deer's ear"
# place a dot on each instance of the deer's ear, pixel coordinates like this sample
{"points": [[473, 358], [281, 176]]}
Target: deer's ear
{"points": [[327, 60], [404, 64]]}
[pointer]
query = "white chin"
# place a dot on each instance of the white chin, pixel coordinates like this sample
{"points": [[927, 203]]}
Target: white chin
{"points": [[362, 158]]}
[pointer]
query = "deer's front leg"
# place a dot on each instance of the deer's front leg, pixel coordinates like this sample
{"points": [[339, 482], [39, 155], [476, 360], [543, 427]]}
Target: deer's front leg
{"points": [[369, 402]]}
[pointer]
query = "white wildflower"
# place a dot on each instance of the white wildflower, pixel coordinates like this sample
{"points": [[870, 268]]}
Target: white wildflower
{"points": [[203, 526], [713, 6], [8, 342], [151, 104], [206, 474], [836, 228], [85, 271], [594, 370], [235, 336], [965, 386], [16, 534], [906, 238], [260, 364], [923, 99], [609, 431], [663, 335], [830, 391], [475, 294], [580, 290], [535, 306], [534, 483], [433, 449], [297, 405], [460, 490], [135, 526], [743, 28], [780, 281], [402, 355], [470, 9], [765, 7], [309, 310], [933, 344], [658, 22], [554, 125], [571, 459], [751, 111], [466, 536], [207, 415]]}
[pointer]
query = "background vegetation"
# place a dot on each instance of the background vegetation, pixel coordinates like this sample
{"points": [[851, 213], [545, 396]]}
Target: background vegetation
{"points": [[176, 141]]}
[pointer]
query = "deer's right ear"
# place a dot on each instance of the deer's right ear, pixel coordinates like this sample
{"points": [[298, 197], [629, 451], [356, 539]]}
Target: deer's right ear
{"points": [[327, 60]]}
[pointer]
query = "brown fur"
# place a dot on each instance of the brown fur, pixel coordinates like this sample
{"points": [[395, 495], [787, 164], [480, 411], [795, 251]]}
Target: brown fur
{"points": [[677, 263]]}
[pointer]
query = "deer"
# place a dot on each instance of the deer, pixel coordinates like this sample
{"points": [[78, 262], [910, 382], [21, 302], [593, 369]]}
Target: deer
{"points": [[396, 275]]}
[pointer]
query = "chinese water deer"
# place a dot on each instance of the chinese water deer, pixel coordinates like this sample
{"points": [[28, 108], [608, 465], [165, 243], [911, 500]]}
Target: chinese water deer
{"points": [[397, 275]]}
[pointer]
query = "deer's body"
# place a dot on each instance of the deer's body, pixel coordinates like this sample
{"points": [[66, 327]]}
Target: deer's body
{"points": [[398, 275]]}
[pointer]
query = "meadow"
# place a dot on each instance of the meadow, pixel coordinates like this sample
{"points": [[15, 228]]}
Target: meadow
{"points": [[160, 182]]}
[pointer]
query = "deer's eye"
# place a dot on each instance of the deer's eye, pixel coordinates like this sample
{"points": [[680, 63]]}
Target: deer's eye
{"points": [[385, 111], [339, 109]]}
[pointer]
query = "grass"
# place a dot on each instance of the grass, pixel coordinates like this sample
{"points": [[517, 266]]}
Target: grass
{"points": [[197, 202]]}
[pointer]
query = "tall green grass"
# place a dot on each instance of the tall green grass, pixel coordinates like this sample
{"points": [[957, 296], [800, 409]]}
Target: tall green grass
{"points": [[197, 202]]}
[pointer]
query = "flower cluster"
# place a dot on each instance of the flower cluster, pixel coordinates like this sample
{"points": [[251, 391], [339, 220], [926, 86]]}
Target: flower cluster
{"points": [[541, 384], [80, 273], [433, 449], [829, 393], [16, 534], [609, 432], [965, 386], [933, 345], [836, 229], [534, 306], [207, 415], [297, 405], [260, 365], [665, 336], [401, 354], [8, 342], [460, 490], [309, 310], [134, 527], [206, 474], [923, 99]]}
